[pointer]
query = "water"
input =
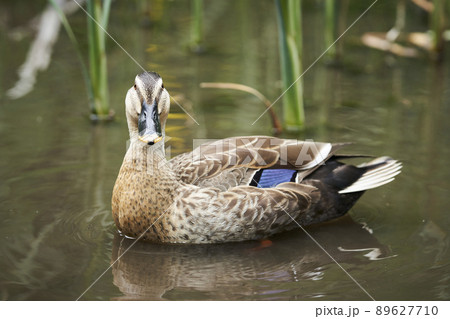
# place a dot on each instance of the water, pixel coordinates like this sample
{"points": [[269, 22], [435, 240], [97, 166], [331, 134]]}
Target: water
{"points": [[57, 170]]}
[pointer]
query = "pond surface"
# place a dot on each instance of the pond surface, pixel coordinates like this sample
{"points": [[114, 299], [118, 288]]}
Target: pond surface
{"points": [[57, 170]]}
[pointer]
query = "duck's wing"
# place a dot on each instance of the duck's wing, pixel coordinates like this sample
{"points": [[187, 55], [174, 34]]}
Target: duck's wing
{"points": [[230, 159], [242, 212]]}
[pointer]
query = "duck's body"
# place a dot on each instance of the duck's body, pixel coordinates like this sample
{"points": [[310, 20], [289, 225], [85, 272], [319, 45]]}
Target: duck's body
{"points": [[234, 189]]}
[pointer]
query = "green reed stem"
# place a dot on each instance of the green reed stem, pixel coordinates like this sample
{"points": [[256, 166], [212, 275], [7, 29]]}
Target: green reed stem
{"points": [[96, 76], [197, 25], [330, 27], [98, 69], [438, 27], [290, 44]]}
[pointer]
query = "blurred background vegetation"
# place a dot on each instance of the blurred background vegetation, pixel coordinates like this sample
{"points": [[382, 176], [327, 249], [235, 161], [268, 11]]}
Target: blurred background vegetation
{"points": [[425, 34]]}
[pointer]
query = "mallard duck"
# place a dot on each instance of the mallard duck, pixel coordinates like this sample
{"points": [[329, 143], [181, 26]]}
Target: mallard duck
{"points": [[235, 189]]}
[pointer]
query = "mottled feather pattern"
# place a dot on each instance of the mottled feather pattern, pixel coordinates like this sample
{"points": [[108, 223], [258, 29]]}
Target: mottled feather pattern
{"points": [[241, 213], [250, 152]]}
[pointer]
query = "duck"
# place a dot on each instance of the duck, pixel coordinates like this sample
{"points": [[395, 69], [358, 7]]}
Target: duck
{"points": [[234, 189]]}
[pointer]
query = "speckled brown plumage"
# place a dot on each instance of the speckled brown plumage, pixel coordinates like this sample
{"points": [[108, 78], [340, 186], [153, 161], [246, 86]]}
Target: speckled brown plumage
{"points": [[205, 196]]}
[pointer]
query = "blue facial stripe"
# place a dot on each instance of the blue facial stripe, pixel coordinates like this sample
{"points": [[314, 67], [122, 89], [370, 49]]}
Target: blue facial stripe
{"points": [[273, 177]]}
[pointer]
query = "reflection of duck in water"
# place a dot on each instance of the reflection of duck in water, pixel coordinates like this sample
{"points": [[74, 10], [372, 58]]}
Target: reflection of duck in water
{"points": [[235, 189], [241, 270]]}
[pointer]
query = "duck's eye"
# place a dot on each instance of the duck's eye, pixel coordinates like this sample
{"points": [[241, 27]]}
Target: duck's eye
{"points": [[162, 86], [135, 87]]}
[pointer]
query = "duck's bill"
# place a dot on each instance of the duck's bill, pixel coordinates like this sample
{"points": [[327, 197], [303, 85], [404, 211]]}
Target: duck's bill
{"points": [[149, 124], [150, 139]]}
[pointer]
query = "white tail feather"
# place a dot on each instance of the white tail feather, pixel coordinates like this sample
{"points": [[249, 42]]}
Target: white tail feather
{"points": [[378, 176]]}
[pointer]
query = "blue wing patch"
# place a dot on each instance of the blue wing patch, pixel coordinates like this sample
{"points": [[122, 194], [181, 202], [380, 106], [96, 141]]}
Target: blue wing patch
{"points": [[266, 178]]}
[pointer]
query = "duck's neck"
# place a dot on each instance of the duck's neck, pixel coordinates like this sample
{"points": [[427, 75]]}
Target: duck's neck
{"points": [[147, 169], [148, 159]]}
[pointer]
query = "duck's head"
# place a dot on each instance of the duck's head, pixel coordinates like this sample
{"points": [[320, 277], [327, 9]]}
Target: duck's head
{"points": [[147, 107]]}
